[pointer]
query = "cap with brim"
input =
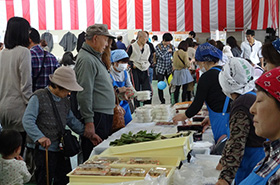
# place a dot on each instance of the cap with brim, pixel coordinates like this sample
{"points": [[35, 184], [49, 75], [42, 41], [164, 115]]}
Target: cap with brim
{"points": [[65, 77], [270, 82], [99, 29], [207, 52]]}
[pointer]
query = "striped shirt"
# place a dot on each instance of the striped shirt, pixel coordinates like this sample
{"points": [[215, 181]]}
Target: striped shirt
{"points": [[50, 65]]}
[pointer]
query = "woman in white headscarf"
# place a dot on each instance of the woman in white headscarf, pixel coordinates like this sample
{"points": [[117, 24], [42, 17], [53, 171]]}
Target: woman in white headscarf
{"points": [[244, 148]]}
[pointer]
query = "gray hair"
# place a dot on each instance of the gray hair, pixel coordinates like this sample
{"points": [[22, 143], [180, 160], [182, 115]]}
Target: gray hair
{"points": [[141, 34], [89, 36]]}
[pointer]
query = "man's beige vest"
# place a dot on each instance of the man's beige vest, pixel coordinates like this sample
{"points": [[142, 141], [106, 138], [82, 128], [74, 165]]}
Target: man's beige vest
{"points": [[140, 60]]}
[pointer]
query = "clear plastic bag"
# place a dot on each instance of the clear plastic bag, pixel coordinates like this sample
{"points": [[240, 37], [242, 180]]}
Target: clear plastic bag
{"points": [[201, 171], [161, 180]]}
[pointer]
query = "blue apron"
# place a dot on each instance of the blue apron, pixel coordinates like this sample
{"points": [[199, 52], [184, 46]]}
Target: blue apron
{"points": [[254, 179], [251, 157], [124, 104], [219, 121]]}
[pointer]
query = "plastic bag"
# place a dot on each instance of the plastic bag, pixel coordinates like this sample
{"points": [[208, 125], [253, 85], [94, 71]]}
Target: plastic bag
{"points": [[161, 180], [129, 94], [201, 171]]}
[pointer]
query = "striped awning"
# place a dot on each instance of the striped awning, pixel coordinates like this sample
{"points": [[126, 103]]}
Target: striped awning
{"points": [[150, 15]]}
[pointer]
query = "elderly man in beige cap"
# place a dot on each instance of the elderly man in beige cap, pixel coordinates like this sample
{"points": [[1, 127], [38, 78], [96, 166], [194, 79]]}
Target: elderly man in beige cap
{"points": [[41, 125], [97, 101]]}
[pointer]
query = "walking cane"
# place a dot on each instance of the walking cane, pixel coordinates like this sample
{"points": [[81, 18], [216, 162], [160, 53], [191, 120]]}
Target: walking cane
{"points": [[47, 166]]}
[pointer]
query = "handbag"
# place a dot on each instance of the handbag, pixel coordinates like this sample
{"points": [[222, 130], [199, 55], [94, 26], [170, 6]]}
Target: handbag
{"points": [[69, 144], [118, 118]]}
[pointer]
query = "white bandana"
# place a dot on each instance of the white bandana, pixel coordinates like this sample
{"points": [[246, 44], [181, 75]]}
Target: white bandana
{"points": [[237, 76]]}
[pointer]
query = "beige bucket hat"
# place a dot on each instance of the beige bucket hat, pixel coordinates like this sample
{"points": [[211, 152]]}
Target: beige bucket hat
{"points": [[65, 77]]}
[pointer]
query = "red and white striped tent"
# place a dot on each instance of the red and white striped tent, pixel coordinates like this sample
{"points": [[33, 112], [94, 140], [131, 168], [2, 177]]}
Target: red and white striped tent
{"points": [[150, 15]]}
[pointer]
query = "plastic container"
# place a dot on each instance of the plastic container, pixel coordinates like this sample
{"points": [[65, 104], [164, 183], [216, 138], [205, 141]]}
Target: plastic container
{"points": [[138, 172], [200, 151], [148, 161], [101, 160], [179, 147], [117, 172], [91, 169], [157, 171]]}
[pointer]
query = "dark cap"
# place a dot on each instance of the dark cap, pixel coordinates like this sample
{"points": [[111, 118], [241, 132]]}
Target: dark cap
{"points": [[98, 29]]}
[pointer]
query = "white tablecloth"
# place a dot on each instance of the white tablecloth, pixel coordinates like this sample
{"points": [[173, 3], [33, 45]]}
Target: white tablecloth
{"points": [[136, 127]]}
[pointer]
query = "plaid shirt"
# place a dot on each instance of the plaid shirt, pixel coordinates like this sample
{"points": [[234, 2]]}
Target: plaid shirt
{"points": [[271, 160], [164, 62], [50, 65]]}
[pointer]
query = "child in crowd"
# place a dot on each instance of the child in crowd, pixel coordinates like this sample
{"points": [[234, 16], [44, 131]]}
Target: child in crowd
{"points": [[121, 80], [13, 169]]}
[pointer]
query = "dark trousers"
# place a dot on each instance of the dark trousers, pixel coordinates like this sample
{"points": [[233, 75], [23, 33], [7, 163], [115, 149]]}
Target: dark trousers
{"points": [[23, 135], [189, 96], [184, 93], [59, 166], [141, 83], [103, 128], [160, 77]]}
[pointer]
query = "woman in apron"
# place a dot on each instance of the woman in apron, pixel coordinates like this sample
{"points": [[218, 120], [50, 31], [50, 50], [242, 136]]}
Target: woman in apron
{"points": [[210, 92], [243, 150], [121, 80], [266, 111]]}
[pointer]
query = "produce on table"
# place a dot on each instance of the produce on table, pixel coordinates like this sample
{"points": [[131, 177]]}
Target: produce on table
{"points": [[141, 136]]}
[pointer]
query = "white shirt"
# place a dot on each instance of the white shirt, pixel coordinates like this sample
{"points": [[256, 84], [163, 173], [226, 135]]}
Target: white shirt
{"points": [[155, 43], [254, 52], [13, 172]]}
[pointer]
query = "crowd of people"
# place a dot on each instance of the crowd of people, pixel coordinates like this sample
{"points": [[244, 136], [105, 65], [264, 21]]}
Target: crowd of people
{"points": [[243, 103]]}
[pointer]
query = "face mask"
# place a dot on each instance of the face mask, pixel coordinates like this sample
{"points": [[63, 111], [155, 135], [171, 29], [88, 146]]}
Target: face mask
{"points": [[121, 67]]}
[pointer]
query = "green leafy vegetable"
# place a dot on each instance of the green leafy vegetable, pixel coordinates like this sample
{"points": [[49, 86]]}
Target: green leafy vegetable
{"points": [[141, 136]]}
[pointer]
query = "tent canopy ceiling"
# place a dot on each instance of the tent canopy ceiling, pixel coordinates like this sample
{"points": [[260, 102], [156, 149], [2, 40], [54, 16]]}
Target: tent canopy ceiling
{"points": [[150, 15]]}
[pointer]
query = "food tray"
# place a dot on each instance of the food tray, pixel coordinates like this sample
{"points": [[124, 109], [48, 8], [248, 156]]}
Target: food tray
{"points": [[179, 147], [163, 161], [89, 179]]}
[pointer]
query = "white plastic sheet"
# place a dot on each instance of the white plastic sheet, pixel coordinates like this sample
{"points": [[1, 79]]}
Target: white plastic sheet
{"points": [[201, 171], [161, 180]]}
